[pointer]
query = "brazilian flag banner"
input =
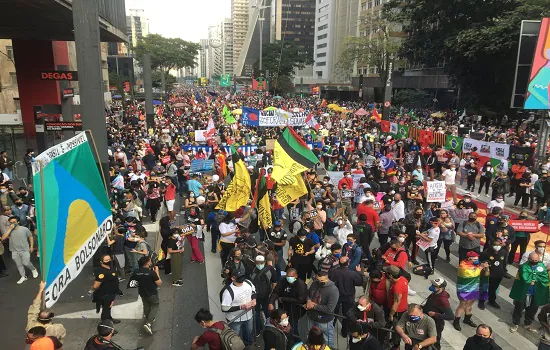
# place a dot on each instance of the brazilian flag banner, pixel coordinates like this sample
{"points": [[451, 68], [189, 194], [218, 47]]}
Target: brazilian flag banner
{"points": [[402, 131], [73, 212], [454, 143]]}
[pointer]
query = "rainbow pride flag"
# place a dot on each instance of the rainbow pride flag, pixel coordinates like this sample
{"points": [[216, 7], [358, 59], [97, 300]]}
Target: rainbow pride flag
{"points": [[467, 284]]}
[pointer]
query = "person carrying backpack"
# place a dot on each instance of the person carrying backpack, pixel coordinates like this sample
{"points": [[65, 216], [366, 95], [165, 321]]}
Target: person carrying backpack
{"points": [[264, 278], [218, 335], [237, 300]]}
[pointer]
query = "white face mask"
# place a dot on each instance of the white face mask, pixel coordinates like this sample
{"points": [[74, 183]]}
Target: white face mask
{"points": [[355, 340], [361, 307], [319, 207], [284, 322], [401, 239], [541, 250], [340, 222], [328, 245], [496, 248], [467, 200], [348, 176]]}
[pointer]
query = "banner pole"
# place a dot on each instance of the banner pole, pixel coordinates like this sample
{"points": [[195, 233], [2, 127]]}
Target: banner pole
{"points": [[42, 244], [89, 132]]}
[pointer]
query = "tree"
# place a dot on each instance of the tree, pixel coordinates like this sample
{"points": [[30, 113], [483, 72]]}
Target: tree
{"points": [[374, 49], [281, 59], [117, 81], [170, 79], [284, 85], [476, 39], [167, 53], [411, 98]]}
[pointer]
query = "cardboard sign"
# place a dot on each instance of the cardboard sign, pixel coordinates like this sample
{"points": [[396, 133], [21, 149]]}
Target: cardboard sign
{"points": [[348, 193], [435, 191], [422, 244], [524, 225], [312, 214], [270, 144], [460, 215], [188, 229], [447, 205]]}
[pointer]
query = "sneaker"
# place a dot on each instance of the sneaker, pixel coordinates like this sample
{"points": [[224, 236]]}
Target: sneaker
{"points": [[22, 279], [448, 259], [120, 279], [200, 262], [177, 284], [494, 304], [411, 292], [481, 304], [531, 329], [115, 321], [284, 217], [514, 328], [34, 273], [148, 329]]}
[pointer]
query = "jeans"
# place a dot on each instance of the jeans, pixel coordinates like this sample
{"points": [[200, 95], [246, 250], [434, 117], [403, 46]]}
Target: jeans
{"points": [[22, 260], [132, 259], [328, 331], [244, 330], [280, 261], [215, 236], [530, 311], [463, 175], [150, 307], [8, 172], [543, 347], [261, 306]]}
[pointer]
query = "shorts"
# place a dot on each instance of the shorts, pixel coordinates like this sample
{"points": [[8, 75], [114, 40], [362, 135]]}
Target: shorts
{"points": [[170, 204]]}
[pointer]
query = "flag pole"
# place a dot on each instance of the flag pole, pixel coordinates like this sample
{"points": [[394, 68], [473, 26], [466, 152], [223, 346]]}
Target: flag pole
{"points": [[42, 244], [89, 132]]}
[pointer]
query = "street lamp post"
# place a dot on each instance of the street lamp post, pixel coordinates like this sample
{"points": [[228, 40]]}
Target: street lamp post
{"points": [[261, 20]]}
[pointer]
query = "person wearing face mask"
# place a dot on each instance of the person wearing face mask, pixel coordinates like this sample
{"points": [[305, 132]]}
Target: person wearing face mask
{"points": [[44, 317], [21, 210], [105, 288], [449, 176], [343, 230], [322, 299], [277, 333], [540, 249], [300, 248], [210, 336], [324, 251], [467, 203], [103, 339], [482, 340], [360, 337], [529, 291], [291, 294], [279, 237], [521, 240], [331, 261], [347, 194], [416, 329], [368, 315], [437, 306], [414, 223], [522, 190], [495, 257], [353, 251], [470, 232], [235, 298], [498, 202], [467, 288], [264, 279], [175, 249]]}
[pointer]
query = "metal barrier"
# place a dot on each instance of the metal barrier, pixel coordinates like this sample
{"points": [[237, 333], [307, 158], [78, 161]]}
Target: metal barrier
{"points": [[19, 168]]}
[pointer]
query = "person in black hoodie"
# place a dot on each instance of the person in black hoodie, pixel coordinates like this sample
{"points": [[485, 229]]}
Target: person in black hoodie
{"points": [[482, 340], [437, 306], [291, 292]]}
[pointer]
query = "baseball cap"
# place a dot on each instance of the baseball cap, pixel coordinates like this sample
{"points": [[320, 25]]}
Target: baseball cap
{"points": [[277, 223], [439, 283], [472, 254], [468, 194], [392, 271], [260, 258], [105, 327]]}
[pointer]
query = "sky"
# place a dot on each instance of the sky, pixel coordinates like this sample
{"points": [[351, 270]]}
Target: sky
{"points": [[185, 19]]}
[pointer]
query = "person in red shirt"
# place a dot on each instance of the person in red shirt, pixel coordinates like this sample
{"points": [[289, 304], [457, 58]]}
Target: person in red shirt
{"points": [[210, 337], [518, 170], [396, 255], [367, 208], [170, 196], [398, 299], [378, 292], [346, 180]]}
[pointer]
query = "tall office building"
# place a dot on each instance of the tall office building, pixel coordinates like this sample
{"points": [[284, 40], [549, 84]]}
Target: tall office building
{"points": [[335, 20], [137, 26], [227, 45], [297, 22], [203, 67], [240, 20], [215, 50]]}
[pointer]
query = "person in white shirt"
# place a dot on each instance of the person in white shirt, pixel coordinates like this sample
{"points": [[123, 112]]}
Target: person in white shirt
{"points": [[498, 202], [449, 176], [534, 178], [540, 249], [398, 208], [432, 237], [238, 304], [343, 229]]}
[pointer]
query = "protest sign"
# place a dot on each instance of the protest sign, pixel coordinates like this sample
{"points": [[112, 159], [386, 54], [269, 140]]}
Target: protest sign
{"points": [[435, 191], [348, 193], [524, 225], [422, 244], [460, 215], [312, 214], [447, 205], [200, 135]]}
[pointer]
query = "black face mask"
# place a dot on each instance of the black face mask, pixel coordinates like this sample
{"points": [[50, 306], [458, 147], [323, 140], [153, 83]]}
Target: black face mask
{"points": [[481, 339], [533, 263], [110, 263], [417, 215]]}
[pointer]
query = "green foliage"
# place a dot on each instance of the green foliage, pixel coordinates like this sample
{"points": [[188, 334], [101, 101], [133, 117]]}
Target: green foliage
{"points": [[476, 39], [283, 85], [117, 81], [157, 82], [167, 53], [281, 59], [412, 98]]}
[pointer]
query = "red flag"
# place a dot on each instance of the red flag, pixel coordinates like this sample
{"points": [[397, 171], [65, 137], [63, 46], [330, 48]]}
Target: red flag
{"points": [[377, 117], [211, 128], [385, 125], [426, 137], [324, 103]]}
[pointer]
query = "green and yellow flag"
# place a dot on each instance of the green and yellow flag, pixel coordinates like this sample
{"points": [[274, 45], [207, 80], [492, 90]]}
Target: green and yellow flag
{"points": [[402, 131], [454, 143], [291, 156], [289, 193], [238, 192], [264, 205], [229, 119]]}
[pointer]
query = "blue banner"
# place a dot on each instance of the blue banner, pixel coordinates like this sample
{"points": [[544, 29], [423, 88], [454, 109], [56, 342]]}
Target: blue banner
{"points": [[250, 117]]}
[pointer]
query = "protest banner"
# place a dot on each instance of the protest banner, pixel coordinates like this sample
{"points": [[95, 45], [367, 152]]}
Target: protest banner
{"points": [[335, 176], [447, 205], [435, 191], [348, 193], [525, 225], [312, 214], [422, 244], [281, 117], [200, 135], [460, 215]]}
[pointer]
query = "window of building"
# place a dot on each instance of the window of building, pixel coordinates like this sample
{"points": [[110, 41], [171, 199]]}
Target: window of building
{"points": [[320, 37], [322, 54], [319, 75], [377, 2], [323, 27], [323, 18], [320, 64], [13, 78], [363, 6], [9, 52], [369, 4], [320, 46], [323, 8]]}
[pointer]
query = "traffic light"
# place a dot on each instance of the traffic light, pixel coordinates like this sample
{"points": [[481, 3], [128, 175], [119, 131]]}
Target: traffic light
{"points": [[360, 81]]}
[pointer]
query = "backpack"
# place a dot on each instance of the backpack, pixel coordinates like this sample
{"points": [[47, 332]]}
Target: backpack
{"points": [[228, 338], [219, 216], [262, 283]]}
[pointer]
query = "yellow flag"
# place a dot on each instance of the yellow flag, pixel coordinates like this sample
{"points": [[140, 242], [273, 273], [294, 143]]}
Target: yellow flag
{"points": [[289, 193], [238, 192], [264, 206]]}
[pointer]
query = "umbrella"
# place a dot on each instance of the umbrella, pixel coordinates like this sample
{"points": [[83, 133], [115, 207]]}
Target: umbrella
{"points": [[117, 96], [156, 102], [438, 115], [296, 110], [333, 106], [278, 97], [270, 108], [237, 111], [361, 111], [178, 105]]}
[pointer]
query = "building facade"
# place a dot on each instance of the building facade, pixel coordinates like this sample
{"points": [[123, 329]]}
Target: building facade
{"points": [[137, 26], [9, 94], [203, 68], [240, 20], [227, 46], [215, 48]]}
